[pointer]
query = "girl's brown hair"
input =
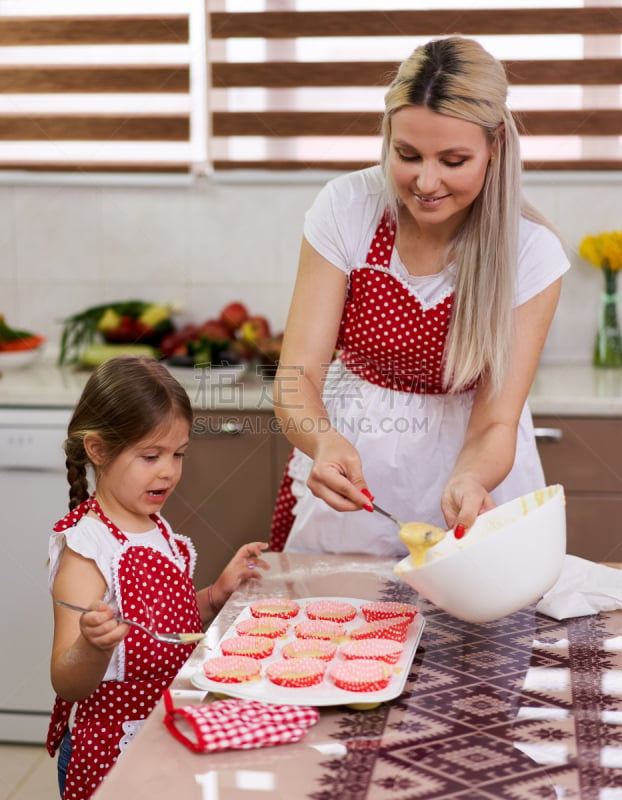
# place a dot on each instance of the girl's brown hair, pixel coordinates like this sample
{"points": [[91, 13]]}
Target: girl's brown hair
{"points": [[123, 401]]}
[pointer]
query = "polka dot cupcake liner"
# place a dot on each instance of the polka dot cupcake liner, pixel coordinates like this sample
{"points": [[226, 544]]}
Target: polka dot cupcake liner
{"points": [[281, 607], [232, 669], [360, 676], [320, 662], [319, 629], [310, 648], [333, 610], [395, 628], [296, 673], [252, 646], [386, 610], [266, 626], [374, 649]]}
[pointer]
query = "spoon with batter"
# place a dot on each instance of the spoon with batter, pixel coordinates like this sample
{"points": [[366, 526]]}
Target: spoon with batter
{"points": [[418, 537]]}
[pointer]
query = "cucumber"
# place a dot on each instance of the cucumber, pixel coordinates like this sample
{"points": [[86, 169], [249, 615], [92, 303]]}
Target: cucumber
{"points": [[95, 354]]}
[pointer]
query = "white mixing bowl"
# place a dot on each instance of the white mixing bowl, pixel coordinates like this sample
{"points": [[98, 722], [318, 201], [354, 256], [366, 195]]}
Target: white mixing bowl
{"points": [[509, 558]]}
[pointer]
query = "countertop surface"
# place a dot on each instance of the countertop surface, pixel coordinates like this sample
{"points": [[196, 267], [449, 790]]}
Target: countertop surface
{"points": [[558, 390], [524, 707], [45, 385]]}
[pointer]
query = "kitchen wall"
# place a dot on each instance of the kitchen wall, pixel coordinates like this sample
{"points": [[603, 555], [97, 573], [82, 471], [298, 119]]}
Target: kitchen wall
{"points": [[65, 246]]}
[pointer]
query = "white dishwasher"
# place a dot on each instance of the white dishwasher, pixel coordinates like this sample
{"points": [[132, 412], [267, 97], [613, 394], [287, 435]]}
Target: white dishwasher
{"points": [[34, 493]]}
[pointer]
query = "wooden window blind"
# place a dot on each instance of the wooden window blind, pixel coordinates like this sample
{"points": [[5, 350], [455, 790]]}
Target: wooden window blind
{"points": [[110, 85], [183, 85], [312, 108]]}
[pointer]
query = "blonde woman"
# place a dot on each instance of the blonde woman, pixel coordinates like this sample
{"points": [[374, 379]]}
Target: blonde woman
{"points": [[436, 283]]}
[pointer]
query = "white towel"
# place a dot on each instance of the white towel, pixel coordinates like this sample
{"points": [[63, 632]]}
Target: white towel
{"points": [[583, 588]]}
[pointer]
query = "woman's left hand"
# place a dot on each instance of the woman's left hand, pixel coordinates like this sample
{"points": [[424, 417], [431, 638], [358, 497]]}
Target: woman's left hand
{"points": [[464, 499]]}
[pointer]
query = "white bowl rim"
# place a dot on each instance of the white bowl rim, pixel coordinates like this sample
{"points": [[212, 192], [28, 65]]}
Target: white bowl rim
{"points": [[556, 493]]}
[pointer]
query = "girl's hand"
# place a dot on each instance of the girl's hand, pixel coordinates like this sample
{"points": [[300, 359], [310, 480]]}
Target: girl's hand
{"points": [[99, 627], [337, 474], [464, 499], [244, 566]]}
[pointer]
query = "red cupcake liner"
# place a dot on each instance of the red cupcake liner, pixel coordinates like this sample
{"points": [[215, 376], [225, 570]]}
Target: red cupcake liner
{"points": [[319, 629], [266, 626], [360, 676], [251, 646], [395, 628], [334, 610], [281, 607], [385, 650], [323, 649], [232, 669], [296, 673], [386, 610]]}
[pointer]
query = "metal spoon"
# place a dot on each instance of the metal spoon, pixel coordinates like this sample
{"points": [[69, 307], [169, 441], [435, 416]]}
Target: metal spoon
{"points": [[417, 536], [169, 638]]}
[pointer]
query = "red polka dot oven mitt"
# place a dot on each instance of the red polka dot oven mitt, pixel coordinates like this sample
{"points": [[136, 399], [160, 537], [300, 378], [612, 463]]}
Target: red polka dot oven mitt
{"points": [[236, 724]]}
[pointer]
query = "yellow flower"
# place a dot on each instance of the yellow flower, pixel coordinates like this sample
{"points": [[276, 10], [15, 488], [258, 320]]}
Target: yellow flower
{"points": [[604, 250]]}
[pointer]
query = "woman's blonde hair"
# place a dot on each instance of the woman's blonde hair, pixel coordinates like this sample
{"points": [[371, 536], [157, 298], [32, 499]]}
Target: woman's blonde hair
{"points": [[457, 77], [124, 400]]}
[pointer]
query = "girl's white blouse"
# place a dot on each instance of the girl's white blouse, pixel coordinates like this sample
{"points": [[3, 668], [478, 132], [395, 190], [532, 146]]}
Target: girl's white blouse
{"points": [[92, 539]]}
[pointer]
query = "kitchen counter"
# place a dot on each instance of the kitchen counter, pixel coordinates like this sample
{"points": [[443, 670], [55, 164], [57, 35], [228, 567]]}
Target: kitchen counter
{"points": [[576, 391], [44, 384], [563, 390], [523, 707]]}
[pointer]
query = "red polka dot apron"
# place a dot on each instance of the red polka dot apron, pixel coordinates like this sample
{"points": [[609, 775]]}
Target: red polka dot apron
{"points": [[386, 337], [157, 591]]}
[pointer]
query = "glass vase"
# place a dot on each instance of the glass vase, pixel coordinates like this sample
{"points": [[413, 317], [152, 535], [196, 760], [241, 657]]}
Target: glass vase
{"points": [[608, 345]]}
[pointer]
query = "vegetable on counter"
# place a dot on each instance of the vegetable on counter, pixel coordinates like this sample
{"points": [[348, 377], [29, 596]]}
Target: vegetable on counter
{"points": [[13, 340], [95, 354], [234, 336], [127, 322]]}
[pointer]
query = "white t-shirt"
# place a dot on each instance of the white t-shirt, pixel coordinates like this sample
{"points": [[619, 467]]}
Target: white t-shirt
{"points": [[343, 220]]}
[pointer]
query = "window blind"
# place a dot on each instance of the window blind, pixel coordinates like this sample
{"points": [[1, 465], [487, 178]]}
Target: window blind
{"points": [[103, 85], [304, 103], [181, 85]]}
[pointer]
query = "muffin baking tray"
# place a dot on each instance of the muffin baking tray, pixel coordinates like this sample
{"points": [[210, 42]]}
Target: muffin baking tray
{"points": [[324, 693]]}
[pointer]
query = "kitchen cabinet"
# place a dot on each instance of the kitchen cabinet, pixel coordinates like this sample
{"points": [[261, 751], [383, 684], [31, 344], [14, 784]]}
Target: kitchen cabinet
{"points": [[230, 479], [584, 454]]}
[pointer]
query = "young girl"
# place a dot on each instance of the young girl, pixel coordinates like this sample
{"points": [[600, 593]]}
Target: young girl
{"points": [[115, 555]]}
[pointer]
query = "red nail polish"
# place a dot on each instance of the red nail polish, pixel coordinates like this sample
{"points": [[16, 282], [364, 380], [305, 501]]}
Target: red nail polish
{"points": [[368, 494], [459, 531], [368, 508]]}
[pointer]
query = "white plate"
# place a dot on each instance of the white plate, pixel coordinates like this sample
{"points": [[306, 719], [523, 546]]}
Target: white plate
{"points": [[18, 359], [324, 693]]}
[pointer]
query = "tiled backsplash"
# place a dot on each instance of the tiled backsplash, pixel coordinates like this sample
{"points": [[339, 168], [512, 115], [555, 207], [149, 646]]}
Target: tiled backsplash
{"points": [[65, 247]]}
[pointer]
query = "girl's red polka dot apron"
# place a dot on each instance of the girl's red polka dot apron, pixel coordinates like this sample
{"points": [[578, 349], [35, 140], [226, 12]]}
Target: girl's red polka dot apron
{"points": [[157, 591], [386, 337]]}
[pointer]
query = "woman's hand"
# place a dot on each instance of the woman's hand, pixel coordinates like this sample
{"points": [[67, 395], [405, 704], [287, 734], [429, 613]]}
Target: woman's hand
{"points": [[489, 445], [337, 474], [464, 499]]}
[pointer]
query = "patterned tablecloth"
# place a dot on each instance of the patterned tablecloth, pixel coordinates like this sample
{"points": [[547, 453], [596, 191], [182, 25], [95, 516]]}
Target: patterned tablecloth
{"points": [[523, 708]]}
